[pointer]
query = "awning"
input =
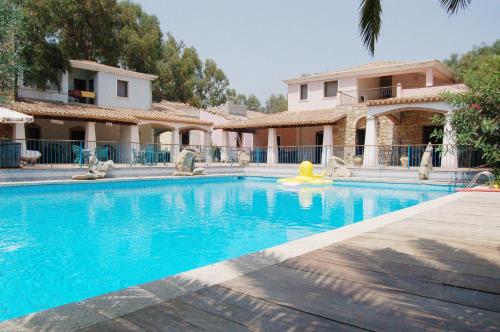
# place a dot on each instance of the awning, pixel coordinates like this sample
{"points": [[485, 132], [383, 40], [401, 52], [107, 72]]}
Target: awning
{"points": [[9, 116]]}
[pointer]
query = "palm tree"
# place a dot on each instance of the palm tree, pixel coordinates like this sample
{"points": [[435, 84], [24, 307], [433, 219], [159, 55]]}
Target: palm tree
{"points": [[370, 20]]}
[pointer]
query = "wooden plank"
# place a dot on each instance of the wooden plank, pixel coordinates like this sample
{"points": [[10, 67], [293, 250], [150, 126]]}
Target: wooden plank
{"points": [[438, 261], [458, 218], [488, 246], [449, 230], [358, 305], [427, 248], [432, 232], [258, 314], [159, 318], [409, 285], [378, 264], [115, 325]]}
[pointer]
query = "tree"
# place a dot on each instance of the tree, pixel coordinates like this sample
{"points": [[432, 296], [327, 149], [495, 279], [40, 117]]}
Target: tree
{"points": [[180, 73], [236, 98], [139, 37], [475, 119], [213, 88], [276, 104], [370, 18], [10, 35], [471, 61], [252, 103]]}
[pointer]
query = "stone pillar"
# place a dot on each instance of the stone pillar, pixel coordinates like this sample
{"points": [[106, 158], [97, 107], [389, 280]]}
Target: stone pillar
{"points": [[327, 150], [129, 138], [272, 146], [207, 142], [175, 144], [90, 137], [399, 90], [224, 153], [449, 158], [370, 155], [19, 135], [429, 77]]}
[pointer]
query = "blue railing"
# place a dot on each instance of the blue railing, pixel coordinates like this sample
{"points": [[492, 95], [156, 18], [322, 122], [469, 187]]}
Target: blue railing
{"points": [[16, 153]]}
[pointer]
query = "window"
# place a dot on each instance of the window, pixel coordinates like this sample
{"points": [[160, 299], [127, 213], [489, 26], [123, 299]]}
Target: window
{"points": [[122, 89], [303, 92], [331, 88]]}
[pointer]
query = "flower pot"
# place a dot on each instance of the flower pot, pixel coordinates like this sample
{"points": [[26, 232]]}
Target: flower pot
{"points": [[404, 162]]}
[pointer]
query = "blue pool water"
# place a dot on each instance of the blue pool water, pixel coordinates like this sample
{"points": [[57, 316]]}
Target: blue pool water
{"points": [[65, 243]]}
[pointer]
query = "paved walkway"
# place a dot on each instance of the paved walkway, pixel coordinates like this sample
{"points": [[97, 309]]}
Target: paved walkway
{"points": [[438, 270]]}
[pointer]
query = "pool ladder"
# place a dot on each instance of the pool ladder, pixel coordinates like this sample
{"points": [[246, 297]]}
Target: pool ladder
{"points": [[478, 175]]}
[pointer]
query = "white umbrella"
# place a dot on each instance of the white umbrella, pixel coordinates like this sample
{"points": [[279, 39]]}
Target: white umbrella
{"points": [[10, 116]]}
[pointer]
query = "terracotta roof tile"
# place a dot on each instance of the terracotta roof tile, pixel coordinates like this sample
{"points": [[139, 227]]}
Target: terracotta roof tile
{"points": [[405, 100], [97, 113], [286, 119]]}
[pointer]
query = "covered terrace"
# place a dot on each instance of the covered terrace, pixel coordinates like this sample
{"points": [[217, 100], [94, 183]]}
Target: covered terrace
{"points": [[112, 133]]}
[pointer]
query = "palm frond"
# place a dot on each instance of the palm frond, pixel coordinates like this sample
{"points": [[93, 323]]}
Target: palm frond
{"points": [[453, 6], [370, 22]]}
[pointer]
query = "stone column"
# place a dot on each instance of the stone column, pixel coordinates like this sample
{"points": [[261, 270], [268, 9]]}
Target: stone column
{"points": [[90, 137], [129, 138], [175, 144], [19, 135], [272, 146], [327, 150], [207, 142], [429, 77], [224, 153], [370, 155], [449, 158]]}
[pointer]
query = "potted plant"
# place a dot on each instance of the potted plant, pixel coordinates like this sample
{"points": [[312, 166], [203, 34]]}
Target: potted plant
{"points": [[404, 161], [358, 161]]}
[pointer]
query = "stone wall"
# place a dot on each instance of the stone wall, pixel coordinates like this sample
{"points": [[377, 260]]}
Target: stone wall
{"points": [[354, 114], [411, 126], [5, 130]]}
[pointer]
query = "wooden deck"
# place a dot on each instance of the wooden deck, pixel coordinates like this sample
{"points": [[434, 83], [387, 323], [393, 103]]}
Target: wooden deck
{"points": [[438, 270]]}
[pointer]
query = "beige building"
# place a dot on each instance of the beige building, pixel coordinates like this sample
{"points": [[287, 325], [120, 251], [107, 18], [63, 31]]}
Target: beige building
{"points": [[374, 114]]}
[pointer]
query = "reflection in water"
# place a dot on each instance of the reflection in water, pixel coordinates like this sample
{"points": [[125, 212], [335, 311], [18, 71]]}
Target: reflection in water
{"points": [[60, 244]]}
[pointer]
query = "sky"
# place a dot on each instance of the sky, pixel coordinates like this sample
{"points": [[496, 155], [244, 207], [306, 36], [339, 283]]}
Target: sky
{"points": [[260, 43]]}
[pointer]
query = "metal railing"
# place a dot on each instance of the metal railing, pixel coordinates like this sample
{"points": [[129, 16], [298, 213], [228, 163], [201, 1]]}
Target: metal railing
{"points": [[349, 97], [16, 153]]}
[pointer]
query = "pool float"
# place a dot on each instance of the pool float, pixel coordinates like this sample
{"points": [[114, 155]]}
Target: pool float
{"points": [[306, 177]]}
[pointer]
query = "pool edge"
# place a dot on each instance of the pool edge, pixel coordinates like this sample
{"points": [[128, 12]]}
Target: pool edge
{"points": [[98, 309]]}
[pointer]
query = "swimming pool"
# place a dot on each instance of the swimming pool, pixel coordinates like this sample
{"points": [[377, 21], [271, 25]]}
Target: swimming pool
{"points": [[64, 243]]}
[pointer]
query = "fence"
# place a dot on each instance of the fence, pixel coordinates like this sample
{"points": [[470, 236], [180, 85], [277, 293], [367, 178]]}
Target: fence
{"points": [[15, 153]]}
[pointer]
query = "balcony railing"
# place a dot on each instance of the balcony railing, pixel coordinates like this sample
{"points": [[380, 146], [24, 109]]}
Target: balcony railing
{"points": [[55, 153], [349, 97]]}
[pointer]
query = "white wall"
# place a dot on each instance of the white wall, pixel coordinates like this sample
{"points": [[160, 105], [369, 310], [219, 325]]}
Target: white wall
{"points": [[139, 92], [315, 96]]}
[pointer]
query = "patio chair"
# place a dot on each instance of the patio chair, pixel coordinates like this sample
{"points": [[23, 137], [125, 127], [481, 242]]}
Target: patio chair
{"points": [[163, 156], [137, 157], [81, 155], [149, 156], [102, 153]]}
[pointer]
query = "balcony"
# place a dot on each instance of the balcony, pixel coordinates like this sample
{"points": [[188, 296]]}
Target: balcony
{"points": [[398, 91], [81, 96]]}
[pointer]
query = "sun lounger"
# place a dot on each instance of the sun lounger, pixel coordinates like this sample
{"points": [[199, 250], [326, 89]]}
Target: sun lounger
{"points": [[30, 157]]}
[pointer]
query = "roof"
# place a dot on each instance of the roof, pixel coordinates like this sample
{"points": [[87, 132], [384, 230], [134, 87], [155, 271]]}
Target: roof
{"points": [[286, 119], [97, 113], [404, 100], [376, 68], [95, 66]]}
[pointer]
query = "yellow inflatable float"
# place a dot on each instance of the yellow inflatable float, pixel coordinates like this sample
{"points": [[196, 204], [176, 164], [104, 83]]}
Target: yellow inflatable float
{"points": [[306, 177]]}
